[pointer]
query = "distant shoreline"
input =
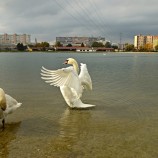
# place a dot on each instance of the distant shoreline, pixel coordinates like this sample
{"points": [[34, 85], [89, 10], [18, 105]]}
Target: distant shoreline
{"points": [[98, 52]]}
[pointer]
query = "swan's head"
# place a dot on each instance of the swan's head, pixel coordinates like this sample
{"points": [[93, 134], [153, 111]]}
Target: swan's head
{"points": [[73, 62], [70, 61]]}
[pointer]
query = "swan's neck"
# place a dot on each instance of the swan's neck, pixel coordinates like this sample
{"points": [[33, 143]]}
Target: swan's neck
{"points": [[2, 100], [75, 65]]}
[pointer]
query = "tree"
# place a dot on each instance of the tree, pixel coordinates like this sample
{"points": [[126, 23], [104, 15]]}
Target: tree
{"points": [[82, 45], [38, 45], [97, 44], [156, 47], [129, 47], [142, 49], [58, 44], [44, 44], [148, 47], [107, 45], [21, 47], [69, 45], [114, 46]]}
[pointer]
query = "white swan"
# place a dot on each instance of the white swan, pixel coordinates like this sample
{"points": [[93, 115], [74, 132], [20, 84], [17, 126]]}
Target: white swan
{"points": [[7, 105], [71, 84]]}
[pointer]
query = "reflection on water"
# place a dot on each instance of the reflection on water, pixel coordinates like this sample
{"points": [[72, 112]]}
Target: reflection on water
{"points": [[6, 136], [122, 125], [74, 124]]}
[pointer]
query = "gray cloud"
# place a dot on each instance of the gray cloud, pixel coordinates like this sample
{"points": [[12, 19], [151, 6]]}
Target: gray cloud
{"points": [[45, 20]]}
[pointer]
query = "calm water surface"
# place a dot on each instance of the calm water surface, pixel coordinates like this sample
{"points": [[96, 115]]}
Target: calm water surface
{"points": [[124, 124]]}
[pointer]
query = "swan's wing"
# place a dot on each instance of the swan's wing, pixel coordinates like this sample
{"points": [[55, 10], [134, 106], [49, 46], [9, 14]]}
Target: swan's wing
{"points": [[85, 77], [12, 104], [63, 77]]}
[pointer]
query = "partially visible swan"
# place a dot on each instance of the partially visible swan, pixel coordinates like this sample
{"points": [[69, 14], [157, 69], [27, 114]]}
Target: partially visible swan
{"points": [[7, 105], [71, 83]]}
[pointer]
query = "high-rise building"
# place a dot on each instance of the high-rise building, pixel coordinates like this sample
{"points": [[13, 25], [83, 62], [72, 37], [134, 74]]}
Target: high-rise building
{"points": [[141, 40], [10, 39], [149, 39], [155, 41]]}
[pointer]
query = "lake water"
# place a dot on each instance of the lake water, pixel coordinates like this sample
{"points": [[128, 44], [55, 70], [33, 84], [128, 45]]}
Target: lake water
{"points": [[124, 123]]}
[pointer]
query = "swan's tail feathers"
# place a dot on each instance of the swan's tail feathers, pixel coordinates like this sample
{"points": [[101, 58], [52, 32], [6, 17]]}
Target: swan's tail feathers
{"points": [[18, 105], [83, 106], [80, 105], [12, 108]]}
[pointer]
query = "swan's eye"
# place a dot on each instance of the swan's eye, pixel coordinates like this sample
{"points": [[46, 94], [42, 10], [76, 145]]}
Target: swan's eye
{"points": [[66, 61], [3, 108]]}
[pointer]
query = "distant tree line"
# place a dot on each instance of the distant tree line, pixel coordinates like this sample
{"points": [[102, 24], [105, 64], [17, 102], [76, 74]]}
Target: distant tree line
{"points": [[107, 45], [127, 47], [94, 44], [41, 46], [145, 48]]}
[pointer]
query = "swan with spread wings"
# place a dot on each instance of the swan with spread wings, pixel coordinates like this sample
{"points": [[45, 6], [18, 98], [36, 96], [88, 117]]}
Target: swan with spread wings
{"points": [[71, 82]]}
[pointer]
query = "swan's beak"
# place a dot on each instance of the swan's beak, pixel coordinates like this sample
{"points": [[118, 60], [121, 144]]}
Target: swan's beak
{"points": [[65, 62]]}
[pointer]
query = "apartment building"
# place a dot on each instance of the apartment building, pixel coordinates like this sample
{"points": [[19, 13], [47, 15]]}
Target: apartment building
{"points": [[13, 39], [149, 39], [77, 41], [141, 40]]}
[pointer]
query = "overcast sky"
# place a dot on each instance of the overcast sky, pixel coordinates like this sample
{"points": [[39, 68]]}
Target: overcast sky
{"points": [[112, 19]]}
